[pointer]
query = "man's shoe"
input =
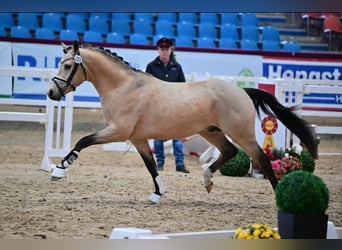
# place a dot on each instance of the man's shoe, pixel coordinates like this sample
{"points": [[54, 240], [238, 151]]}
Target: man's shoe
{"points": [[160, 167], [182, 168]]}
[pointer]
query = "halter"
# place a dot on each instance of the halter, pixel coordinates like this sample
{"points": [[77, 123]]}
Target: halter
{"points": [[78, 61]]}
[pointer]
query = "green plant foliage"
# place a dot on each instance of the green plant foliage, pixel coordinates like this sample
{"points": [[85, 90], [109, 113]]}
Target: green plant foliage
{"points": [[237, 166], [302, 192], [308, 163]]}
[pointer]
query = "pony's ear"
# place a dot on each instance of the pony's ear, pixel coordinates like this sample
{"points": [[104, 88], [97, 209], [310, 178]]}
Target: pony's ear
{"points": [[65, 47], [75, 46]]}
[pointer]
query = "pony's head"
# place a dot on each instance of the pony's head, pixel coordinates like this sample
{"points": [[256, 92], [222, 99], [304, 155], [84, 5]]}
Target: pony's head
{"points": [[71, 73]]}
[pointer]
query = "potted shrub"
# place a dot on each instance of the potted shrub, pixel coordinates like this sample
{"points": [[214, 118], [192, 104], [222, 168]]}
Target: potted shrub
{"points": [[302, 199], [237, 166]]}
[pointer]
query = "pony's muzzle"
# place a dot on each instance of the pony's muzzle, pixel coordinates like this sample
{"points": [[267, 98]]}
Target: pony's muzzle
{"points": [[51, 94]]}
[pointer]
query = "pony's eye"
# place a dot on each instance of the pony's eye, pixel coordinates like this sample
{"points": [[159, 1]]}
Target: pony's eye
{"points": [[67, 66]]}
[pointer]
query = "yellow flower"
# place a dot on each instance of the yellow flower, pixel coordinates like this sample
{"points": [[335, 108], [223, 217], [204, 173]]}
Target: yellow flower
{"points": [[256, 231]]}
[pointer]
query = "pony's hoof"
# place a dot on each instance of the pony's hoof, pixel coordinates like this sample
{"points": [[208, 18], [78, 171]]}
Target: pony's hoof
{"points": [[55, 178], [155, 198], [209, 187]]}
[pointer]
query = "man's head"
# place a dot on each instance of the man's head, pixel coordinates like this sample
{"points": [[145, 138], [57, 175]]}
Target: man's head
{"points": [[164, 46]]}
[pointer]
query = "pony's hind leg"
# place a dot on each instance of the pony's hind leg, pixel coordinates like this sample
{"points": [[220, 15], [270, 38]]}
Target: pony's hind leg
{"points": [[146, 154], [215, 136]]}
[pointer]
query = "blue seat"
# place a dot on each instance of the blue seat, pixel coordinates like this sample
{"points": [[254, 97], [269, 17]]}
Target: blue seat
{"points": [[115, 38], [147, 16], [2, 32], [121, 26], [184, 41], [205, 42], [206, 17], [250, 33], [185, 28], [230, 31], [137, 38], [52, 21], [206, 30], [268, 45], [99, 24], [270, 33], [92, 36], [20, 31], [28, 20], [156, 37], [247, 44], [143, 27], [190, 17], [227, 43], [249, 19], [45, 33], [165, 28], [6, 20], [75, 22], [103, 15], [231, 18], [83, 15], [292, 46], [167, 16], [68, 35], [121, 16]]}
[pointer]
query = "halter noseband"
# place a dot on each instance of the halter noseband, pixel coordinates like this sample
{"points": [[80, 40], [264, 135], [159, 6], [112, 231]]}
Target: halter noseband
{"points": [[78, 61]]}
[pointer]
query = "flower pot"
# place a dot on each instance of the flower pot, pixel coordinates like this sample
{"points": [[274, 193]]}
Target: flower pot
{"points": [[295, 226]]}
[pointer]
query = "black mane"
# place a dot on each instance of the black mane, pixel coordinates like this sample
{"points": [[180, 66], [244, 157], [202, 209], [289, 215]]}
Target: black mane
{"points": [[110, 54]]}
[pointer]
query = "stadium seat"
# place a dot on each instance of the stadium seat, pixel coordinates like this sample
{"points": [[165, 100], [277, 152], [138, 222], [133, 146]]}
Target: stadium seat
{"points": [[229, 31], [6, 20], [184, 41], [102, 15], [206, 17], [249, 19], [185, 28], [206, 30], [68, 35], [115, 38], [143, 27], [250, 33], [28, 20], [268, 45], [45, 33], [99, 24], [3, 32], [121, 15], [92, 36], [227, 43], [332, 26], [121, 26], [83, 15], [75, 22], [247, 44], [137, 38], [20, 31], [165, 28], [167, 16], [52, 21], [230, 18], [187, 17], [205, 42], [140, 16], [292, 46], [270, 33]]}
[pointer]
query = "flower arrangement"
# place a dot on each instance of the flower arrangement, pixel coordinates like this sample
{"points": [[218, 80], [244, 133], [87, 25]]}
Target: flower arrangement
{"points": [[289, 160], [256, 231]]}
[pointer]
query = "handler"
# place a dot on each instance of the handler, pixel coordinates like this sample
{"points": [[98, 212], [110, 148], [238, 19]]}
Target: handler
{"points": [[166, 68]]}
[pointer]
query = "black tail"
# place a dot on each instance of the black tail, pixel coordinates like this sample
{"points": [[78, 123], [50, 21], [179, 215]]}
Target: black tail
{"points": [[270, 106]]}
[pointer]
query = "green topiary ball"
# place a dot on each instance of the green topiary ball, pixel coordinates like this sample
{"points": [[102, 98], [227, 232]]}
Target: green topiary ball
{"points": [[308, 163], [302, 192], [237, 166]]}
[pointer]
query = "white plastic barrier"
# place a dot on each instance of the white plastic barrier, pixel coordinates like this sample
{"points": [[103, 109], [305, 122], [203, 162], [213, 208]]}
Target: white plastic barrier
{"points": [[53, 115], [139, 233]]}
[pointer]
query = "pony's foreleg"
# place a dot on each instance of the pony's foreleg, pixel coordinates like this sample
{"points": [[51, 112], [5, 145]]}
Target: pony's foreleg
{"points": [[146, 154], [100, 137], [216, 137]]}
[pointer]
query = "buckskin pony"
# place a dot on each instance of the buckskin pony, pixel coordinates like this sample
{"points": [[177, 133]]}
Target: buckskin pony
{"points": [[137, 106]]}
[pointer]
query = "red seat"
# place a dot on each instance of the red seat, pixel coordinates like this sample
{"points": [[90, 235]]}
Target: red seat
{"points": [[332, 25]]}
